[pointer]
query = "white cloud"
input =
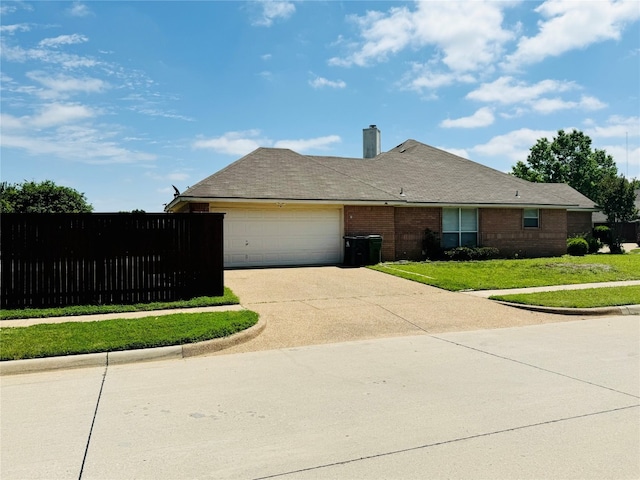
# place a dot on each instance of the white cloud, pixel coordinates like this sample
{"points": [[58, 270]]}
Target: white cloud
{"points": [[79, 9], [551, 105], [514, 145], [305, 145], [272, 10], [233, 143], [61, 85], [461, 152], [12, 29], [63, 40], [244, 142], [320, 82], [426, 77], [616, 126], [61, 114], [468, 35], [481, 118], [570, 25], [507, 90], [77, 143], [45, 55]]}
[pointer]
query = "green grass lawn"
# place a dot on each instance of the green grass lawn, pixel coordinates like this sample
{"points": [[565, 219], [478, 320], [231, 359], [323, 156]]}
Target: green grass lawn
{"points": [[49, 339], [228, 298], [501, 274], [587, 298]]}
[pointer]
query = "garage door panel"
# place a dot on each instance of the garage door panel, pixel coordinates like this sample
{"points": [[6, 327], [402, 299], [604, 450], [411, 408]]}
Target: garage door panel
{"points": [[282, 237]]}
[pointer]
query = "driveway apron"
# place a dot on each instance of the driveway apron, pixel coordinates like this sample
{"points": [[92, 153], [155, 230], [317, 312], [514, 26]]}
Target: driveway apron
{"points": [[317, 305]]}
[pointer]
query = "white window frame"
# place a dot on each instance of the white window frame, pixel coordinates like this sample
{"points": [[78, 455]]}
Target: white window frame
{"points": [[535, 217], [459, 231]]}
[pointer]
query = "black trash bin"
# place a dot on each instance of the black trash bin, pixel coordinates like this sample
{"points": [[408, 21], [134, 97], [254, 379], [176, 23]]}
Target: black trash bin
{"points": [[356, 250], [375, 249]]}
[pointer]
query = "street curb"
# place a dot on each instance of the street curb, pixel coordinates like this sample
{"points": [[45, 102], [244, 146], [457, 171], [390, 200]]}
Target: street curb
{"points": [[34, 365], [599, 311]]}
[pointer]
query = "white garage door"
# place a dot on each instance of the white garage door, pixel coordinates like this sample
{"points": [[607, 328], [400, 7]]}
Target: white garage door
{"points": [[282, 237]]}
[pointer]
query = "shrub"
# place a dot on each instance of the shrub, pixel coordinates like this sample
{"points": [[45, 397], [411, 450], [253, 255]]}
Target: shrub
{"points": [[602, 233], [472, 253], [577, 246], [431, 245], [594, 243]]}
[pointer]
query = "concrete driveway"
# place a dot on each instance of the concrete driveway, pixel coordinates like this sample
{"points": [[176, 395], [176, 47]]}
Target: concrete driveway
{"points": [[315, 305]]}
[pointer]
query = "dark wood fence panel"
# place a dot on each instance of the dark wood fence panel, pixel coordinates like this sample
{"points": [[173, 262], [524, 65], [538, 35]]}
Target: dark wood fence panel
{"points": [[88, 259]]}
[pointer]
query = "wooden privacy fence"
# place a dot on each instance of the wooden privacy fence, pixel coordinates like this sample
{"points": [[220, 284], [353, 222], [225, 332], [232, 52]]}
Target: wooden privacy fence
{"points": [[88, 259]]}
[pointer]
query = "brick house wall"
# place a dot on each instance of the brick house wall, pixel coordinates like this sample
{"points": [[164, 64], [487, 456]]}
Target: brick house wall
{"points": [[402, 229], [362, 220], [503, 229], [410, 224], [579, 223]]}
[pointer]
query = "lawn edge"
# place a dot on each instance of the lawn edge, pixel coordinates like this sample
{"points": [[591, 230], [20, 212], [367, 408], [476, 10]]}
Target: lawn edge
{"points": [[595, 311], [105, 359]]}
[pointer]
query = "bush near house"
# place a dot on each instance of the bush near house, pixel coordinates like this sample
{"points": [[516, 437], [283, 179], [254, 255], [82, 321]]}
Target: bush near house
{"points": [[577, 246], [475, 253]]}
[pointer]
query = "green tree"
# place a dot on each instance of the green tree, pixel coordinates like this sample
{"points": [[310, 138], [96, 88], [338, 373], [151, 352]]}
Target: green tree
{"points": [[618, 204], [569, 159], [44, 197]]}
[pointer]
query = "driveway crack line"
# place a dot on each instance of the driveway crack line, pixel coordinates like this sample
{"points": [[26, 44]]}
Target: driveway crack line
{"points": [[93, 420], [447, 442]]}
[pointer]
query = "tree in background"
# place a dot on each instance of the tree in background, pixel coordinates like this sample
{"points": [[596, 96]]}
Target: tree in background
{"points": [[569, 159], [44, 197], [618, 204]]}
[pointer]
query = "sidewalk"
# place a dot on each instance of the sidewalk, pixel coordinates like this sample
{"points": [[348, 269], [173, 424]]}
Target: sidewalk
{"points": [[552, 288], [27, 322]]}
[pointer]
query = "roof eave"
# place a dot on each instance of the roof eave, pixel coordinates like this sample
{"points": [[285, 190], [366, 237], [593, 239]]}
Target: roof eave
{"points": [[396, 203]]}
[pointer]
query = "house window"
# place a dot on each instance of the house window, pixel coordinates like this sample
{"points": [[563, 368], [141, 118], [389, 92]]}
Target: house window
{"points": [[531, 218], [459, 227]]}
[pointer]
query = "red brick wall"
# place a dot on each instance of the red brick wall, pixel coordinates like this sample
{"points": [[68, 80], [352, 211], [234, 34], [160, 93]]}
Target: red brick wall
{"points": [[503, 229], [362, 220], [578, 223], [410, 224]]}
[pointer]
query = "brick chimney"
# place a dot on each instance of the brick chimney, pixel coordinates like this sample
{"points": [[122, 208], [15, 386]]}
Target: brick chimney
{"points": [[370, 142]]}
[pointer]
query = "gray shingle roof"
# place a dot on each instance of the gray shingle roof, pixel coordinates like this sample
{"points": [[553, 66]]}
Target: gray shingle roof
{"points": [[424, 175]]}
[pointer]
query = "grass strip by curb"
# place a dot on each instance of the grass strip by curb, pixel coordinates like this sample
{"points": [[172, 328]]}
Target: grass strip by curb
{"points": [[70, 338], [584, 298], [229, 298]]}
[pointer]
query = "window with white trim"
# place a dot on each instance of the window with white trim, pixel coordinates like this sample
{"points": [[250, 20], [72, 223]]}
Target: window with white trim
{"points": [[459, 227], [531, 218]]}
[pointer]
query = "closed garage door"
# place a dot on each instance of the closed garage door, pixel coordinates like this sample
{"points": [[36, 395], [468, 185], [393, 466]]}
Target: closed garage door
{"points": [[282, 237]]}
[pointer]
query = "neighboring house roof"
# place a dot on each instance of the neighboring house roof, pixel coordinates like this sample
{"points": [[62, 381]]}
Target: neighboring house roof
{"points": [[412, 173], [599, 217]]}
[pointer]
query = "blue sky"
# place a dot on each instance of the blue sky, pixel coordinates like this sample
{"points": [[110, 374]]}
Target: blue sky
{"points": [[121, 100]]}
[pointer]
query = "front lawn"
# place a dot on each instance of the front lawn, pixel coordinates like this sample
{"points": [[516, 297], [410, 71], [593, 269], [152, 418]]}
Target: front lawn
{"points": [[229, 298], [501, 274], [586, 298], [49, 339]]}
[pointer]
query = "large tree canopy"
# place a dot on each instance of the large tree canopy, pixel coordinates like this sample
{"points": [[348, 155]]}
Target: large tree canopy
{"points": [[569, 159], [44, 197]]}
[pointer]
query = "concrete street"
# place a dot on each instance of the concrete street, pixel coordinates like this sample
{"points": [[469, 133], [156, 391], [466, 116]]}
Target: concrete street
{"points": [[357, 375]]}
